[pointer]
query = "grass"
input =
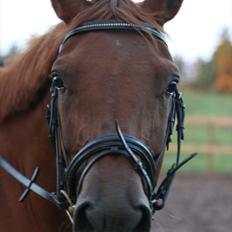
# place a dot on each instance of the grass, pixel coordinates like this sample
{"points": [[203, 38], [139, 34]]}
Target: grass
{"points": [[223, 163], [200, 135], [198, 164], [208, 104]]}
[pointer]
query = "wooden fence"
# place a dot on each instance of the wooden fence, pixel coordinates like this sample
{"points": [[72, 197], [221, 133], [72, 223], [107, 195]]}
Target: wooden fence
{"points": [[211, 148]]}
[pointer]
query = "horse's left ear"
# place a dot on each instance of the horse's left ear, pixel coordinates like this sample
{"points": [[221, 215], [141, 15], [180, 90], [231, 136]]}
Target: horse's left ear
{"points": [[163, 10], [68, 9]]}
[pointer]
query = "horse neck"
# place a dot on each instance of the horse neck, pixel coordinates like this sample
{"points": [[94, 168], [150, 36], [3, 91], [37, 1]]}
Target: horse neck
{"points": [[25, 137], [24, 142]]}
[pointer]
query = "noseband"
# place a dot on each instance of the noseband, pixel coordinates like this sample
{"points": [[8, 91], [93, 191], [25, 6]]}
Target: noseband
{"points": [[145, 163]]}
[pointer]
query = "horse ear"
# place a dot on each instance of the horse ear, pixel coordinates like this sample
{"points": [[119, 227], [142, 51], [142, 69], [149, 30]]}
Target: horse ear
{"points": [[68, 9], [164, 10]]}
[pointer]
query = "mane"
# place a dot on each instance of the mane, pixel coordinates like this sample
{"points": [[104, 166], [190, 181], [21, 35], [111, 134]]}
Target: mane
{"points": [[25, 79]]}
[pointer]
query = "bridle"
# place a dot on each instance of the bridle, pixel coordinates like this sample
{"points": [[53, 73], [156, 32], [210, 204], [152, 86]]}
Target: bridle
{"points": [[144, 162]]}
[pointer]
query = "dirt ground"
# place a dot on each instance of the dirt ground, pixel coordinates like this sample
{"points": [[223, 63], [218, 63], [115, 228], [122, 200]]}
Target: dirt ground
{"points": [[197, 203]]}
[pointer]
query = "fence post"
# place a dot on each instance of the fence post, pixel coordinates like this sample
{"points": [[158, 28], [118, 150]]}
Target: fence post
{"points": [[212, 142]]}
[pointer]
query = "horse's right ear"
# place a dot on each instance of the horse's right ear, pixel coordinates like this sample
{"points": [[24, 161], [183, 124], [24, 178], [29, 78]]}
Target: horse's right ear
{"points": [[68, 9], [163, 10]]}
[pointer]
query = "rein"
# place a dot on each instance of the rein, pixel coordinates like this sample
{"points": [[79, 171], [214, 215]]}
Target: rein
{"points": [[144, 162]]}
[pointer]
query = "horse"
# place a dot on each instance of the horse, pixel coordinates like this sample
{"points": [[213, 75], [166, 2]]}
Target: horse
{"points": [[107, 85]]}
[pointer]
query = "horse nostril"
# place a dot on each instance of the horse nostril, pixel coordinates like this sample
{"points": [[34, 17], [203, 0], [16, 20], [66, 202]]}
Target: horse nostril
{"points": [[82, 222], [89, 219], [145, 222]]}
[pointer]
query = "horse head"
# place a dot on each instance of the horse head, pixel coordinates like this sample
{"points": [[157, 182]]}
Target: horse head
{"points": [[113, 93]]}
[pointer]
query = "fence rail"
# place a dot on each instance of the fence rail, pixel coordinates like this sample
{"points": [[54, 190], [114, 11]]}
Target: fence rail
{"points": [[214, 121], [211, 148]]}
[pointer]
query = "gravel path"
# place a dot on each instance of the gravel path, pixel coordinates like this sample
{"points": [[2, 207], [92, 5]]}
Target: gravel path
{"points": [[197, 203]]}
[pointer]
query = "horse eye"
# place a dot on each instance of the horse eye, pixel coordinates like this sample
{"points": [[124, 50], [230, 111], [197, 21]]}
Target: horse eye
{"points": [[58, 82], [171, 89]]}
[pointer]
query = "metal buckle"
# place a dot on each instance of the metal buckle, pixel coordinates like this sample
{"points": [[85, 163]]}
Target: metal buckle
{"points": [[71, 208]]}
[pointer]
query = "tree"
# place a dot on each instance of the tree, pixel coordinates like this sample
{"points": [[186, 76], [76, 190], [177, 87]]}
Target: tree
{"points": [[223, 64], [217, 72], [204, 74]]}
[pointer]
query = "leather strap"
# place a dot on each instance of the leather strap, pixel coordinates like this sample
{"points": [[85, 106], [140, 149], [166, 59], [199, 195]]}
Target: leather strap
{"points": [[140, 157], [29, 184], [113, 25]]}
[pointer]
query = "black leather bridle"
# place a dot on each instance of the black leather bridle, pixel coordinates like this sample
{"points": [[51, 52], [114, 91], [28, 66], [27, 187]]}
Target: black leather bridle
{"points": [[144, 162]]}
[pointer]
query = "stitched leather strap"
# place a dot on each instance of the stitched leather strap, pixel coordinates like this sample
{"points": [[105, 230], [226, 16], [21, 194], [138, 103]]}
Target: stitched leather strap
{"points": [[113, 25]]}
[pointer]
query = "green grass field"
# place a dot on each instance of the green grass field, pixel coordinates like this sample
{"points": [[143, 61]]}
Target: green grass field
{"points": [[206, 104]]}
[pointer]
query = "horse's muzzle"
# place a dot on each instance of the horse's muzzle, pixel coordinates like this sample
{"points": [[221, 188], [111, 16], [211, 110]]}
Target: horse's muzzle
{"points": [[105, 216]]}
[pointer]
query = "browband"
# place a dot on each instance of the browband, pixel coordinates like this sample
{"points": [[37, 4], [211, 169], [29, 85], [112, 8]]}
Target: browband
{"points": [[112, 25]]}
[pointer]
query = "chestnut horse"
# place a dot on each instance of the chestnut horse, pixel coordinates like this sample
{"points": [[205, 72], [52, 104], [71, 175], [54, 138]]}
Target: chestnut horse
{"points": [[112, 103]]}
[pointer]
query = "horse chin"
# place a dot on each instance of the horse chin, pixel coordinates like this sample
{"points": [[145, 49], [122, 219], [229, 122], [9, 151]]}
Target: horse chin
{"points": [[112, 203]]}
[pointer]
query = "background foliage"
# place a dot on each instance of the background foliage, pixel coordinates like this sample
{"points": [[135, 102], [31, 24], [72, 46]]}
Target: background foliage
{"points": [[213, 74]]}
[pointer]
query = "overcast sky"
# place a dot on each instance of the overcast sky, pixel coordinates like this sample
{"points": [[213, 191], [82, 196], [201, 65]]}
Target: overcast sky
{"points": [[193, 33]]}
